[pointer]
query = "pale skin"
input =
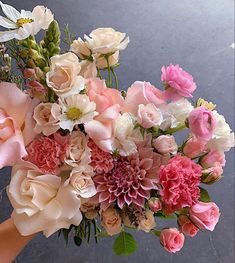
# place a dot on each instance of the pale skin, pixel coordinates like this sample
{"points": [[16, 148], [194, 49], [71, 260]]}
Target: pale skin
{"points": [[11, 242]]}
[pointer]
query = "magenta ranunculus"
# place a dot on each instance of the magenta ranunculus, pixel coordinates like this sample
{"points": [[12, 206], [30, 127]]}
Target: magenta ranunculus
{"points": [[202, 123], [171, 239], [205, 215], [179, 82], [180, 180]]}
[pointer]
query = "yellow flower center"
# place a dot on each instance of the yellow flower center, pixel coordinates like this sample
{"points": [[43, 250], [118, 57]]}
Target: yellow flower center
{"points": [[22, 21], [74, 114]]}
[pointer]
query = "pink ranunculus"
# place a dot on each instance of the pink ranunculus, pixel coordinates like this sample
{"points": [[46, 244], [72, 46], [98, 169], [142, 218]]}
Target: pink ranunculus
{"points": [[194, 148], [202, 123], [205, 215], [165, 144], [179, 82], [186, 226], [180, 180], [171, 239], [142, 93], [155, 204], [213, 157], [103, 97], [15, 115]]}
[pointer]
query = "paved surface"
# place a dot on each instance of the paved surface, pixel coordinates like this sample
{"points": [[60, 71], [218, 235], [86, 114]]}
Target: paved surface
{"points": [[197, 35]]}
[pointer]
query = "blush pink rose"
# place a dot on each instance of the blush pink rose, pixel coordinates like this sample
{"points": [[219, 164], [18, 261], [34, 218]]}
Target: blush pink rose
{"points": [[214, 156], [179, 82], [165, 144], [186, 226], [16, 109], [202, 123], [194, 148], [155, 204], [205, 215], [172, 240], [142, 93], [103, 97]]}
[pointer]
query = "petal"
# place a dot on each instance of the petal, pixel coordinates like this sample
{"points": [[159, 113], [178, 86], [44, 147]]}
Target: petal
{"points": [[10, 12], [5, 22], [8, 35]]}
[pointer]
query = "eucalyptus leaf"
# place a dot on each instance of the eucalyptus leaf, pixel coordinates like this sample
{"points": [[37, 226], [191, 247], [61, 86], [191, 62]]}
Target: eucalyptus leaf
{"points": [[125, 244]]}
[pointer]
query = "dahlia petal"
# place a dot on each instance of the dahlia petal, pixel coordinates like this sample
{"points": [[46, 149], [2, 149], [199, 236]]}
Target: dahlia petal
{"points": [[127, 199], [146, 163], [103, 196], [139, 201], [147, 184], [121, 201], [132, 193]]}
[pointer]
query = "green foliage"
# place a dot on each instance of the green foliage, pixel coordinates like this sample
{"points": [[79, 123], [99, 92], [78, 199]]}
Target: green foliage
{"points": [[69, 36], [204, 195], [125, 244], [163, 216]]}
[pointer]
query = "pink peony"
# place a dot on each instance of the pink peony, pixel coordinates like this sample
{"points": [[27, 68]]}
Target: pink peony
{"points": [[142, 93], [131, 179], [202, 123], [179, 82], [194, 148], [205, 215], [180, 180], [186, 226], [102, 162], [213, 157], [171, 239], [47, 153]]}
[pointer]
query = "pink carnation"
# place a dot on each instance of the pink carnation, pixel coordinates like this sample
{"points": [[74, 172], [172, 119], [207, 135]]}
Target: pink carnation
{"points": [[180, 83], [101, 161], [180, 180], [47, 152], [131, 179]]}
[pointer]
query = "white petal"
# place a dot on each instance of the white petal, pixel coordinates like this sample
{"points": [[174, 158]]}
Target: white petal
{"points": [[5, 22], [10, 12], [8, 35]]}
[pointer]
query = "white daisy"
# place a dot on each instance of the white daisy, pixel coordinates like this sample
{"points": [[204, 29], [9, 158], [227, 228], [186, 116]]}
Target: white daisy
{"points": [[75, 109], [24, 23]]}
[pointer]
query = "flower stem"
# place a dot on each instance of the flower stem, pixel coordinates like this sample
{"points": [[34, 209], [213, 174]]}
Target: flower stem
{"points": [[115, 77], [109, 82], [176, 129]]}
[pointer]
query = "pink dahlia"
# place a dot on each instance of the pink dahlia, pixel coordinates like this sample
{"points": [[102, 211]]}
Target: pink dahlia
{"points": [[47, 152], [131, 179], [180, 180]]}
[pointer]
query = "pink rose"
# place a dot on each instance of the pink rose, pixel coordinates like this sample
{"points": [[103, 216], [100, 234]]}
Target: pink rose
{"points": [[205, 215], [186, 226], [212, 157], [165, 144], [171, 239], [202, 123], [179, 82], [149, 116], [212, 174], [36, 89], [142, 93], [16, 109], [103, 97], [194, 148], [154, 204]]}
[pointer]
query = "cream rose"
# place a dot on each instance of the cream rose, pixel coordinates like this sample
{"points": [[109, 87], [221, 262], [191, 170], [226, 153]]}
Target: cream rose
{"points": [[89, 209], [111, 221], [45, 117], [63, 75], [40, 201], [101, 62], [147, 223], [80, 48], [106, 41]]}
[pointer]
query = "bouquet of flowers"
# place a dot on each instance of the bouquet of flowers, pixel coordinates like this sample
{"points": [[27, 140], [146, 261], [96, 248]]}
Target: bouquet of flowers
{"points": [[90, 159]]}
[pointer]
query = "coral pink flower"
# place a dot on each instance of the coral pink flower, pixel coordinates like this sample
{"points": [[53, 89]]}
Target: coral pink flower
{"points": [[186, 226], [142, 93], [171, 239], [202, 123], [131, 179], [102, 162], [180, 83], [205, 215], [47, 153], [180, 180], [16, 123], [213, 157]]}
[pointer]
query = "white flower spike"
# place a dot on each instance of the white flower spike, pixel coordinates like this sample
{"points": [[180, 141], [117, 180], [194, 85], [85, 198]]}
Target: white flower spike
{"points": [[24, 23]]}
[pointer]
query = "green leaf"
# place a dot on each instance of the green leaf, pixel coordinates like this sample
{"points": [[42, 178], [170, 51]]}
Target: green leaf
{"points": [[77, 241], [66, 235], [204, 195], [125, 244], [161, 215], [156, 232]]}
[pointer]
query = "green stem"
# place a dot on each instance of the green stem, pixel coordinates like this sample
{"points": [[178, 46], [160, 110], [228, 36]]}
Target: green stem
{"points": [[109, 72], [115, 77], [99, 74], [176, 129]]}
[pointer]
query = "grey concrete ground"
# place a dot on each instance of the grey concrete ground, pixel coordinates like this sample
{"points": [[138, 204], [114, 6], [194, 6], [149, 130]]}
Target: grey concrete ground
{"points": [[197, 35]]}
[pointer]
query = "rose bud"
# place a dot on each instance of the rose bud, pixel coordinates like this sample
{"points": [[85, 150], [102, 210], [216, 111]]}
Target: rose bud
{"points": [[154, 204], [212, 174], [111, 221], [165, 144], [211, 158], [186, 226], [194, 148], [171, 239]]}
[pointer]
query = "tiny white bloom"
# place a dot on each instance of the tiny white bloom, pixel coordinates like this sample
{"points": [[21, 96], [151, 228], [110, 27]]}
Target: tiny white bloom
{"points": [[24, 23], [75, 109]]}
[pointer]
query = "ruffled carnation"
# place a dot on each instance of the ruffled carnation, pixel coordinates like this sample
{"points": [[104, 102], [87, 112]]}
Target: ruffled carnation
{"points": [[47, 153], [180, 180]]}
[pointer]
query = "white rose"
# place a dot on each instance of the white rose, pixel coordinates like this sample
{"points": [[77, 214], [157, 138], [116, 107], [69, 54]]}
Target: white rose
{"points": [[106, 41], [80, 48], [63, 75], [41, 202], [101, 62], [88, 69], [45, 117], [77, 151], [222, 128]]}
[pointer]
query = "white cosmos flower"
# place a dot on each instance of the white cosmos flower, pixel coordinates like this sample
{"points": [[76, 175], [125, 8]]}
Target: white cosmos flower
{"points": [[24, 23], [75, 109]]}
